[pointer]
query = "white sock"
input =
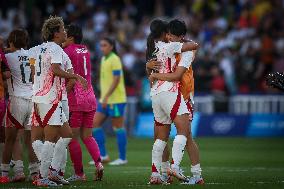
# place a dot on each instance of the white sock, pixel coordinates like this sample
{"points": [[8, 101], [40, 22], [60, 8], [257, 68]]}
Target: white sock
{"points": [[19, 167], [5, 169], [34, 168], [59, 153], [165, 166], [196, 170], [37, 146], [178, 149], [46, 157], [63, 163], [157, 152]]}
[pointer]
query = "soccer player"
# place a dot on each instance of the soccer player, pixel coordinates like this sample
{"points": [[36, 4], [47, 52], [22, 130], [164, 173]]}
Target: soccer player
{"points": [[19, 106], [47, 98], [112, 101], [82, 105], [4, 74], [184, 74], [167, 102]]}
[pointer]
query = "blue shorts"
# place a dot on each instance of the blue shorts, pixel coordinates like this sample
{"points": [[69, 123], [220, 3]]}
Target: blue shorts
{"points": [[112, 110]]}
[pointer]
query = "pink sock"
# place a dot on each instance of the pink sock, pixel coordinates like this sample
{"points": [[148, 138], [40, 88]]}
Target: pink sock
{"points": [[93, 149], [76, 156]]}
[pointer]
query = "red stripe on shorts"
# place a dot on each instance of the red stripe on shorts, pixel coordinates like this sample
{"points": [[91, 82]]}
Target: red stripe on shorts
{"points": [[176, 106], [49, 114], [12, 119]]}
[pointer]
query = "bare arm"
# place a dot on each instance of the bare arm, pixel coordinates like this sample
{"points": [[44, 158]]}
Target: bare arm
{"points": [[71, 82], [6, 75], [189, 46], [61, 73], [175, 76], [113, 86]]}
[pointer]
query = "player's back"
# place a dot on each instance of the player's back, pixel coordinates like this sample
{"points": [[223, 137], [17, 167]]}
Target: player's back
{"points": [[47, 87], [20, 83], [80, 99], [80, 58]]}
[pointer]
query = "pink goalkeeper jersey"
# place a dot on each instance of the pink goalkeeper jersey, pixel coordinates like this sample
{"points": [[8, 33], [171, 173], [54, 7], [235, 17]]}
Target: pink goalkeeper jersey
{"points": [[80, 99]]}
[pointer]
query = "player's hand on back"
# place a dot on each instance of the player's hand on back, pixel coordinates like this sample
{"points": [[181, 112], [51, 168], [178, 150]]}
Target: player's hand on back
{"points": [[83, 81], [153, 64]]}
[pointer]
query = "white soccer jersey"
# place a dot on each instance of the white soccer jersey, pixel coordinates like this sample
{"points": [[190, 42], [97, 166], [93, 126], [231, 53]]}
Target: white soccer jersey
{"points": [[165, 53], [47, 88], [186, 59], [20, 83], [67, 65]]}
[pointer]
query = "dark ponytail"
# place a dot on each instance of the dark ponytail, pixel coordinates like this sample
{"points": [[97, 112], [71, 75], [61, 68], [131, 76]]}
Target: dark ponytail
{"points": [[157, 28], [111, 42]]}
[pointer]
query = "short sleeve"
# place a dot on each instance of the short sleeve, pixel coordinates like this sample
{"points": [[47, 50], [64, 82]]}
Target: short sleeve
{"points": [[68, 63], [57, 55], [174, 47], [186, 59], [116, 64]]}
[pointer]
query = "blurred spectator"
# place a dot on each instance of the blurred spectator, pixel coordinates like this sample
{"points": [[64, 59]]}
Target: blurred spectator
{"points": [[241, 40]]}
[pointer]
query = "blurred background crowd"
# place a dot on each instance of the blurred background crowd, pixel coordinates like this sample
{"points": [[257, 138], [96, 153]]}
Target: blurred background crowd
{"points": [[241, 40]]}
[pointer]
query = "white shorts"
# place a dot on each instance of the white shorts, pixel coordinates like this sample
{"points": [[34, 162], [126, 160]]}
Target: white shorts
{"points": [[167, 105], [18, 113], [65, 108], [48, 114]]}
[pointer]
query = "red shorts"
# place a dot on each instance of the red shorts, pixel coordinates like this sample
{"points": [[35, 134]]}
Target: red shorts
{"points": [[80, 119]]}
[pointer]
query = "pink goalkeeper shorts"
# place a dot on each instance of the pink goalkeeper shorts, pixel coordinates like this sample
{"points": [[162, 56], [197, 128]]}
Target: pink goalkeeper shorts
{"points": [[81, 119]]}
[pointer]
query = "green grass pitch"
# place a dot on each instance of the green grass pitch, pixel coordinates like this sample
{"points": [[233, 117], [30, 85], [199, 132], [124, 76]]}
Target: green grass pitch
{"points": [[226, 162]]}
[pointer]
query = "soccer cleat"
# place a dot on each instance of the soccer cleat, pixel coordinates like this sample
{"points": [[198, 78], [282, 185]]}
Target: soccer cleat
{"points": [[34, 177], [167, 178], [55, 177], [104, 159], [193, 181], [177, 172], [155, 179], [118, 162], [4, 179], [45, 182], [99, 172], [75, 177], [19, 178]]}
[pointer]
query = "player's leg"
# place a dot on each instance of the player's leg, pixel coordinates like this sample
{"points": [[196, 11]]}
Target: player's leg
{"points": [[117, 120], [17, 158], [10, 138], [75, 148], [161, 134], [33, 161], [2, 128], [91, 144], [176, 110], [98, 132]]}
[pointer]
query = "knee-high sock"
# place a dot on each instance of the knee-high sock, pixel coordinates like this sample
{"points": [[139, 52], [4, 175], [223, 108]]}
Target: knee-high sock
{"points": [[76, 156], [93, 149], [99, 135], [157, 153], [37, 146], [59, 153], [196, 170], [34, 168], [178, 149], [121, 139], [63, 164], [46, 157], [19, 167]]}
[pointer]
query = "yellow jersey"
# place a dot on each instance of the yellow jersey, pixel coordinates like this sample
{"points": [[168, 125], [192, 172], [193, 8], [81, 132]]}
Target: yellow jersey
{"points": [[111, 66]]}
